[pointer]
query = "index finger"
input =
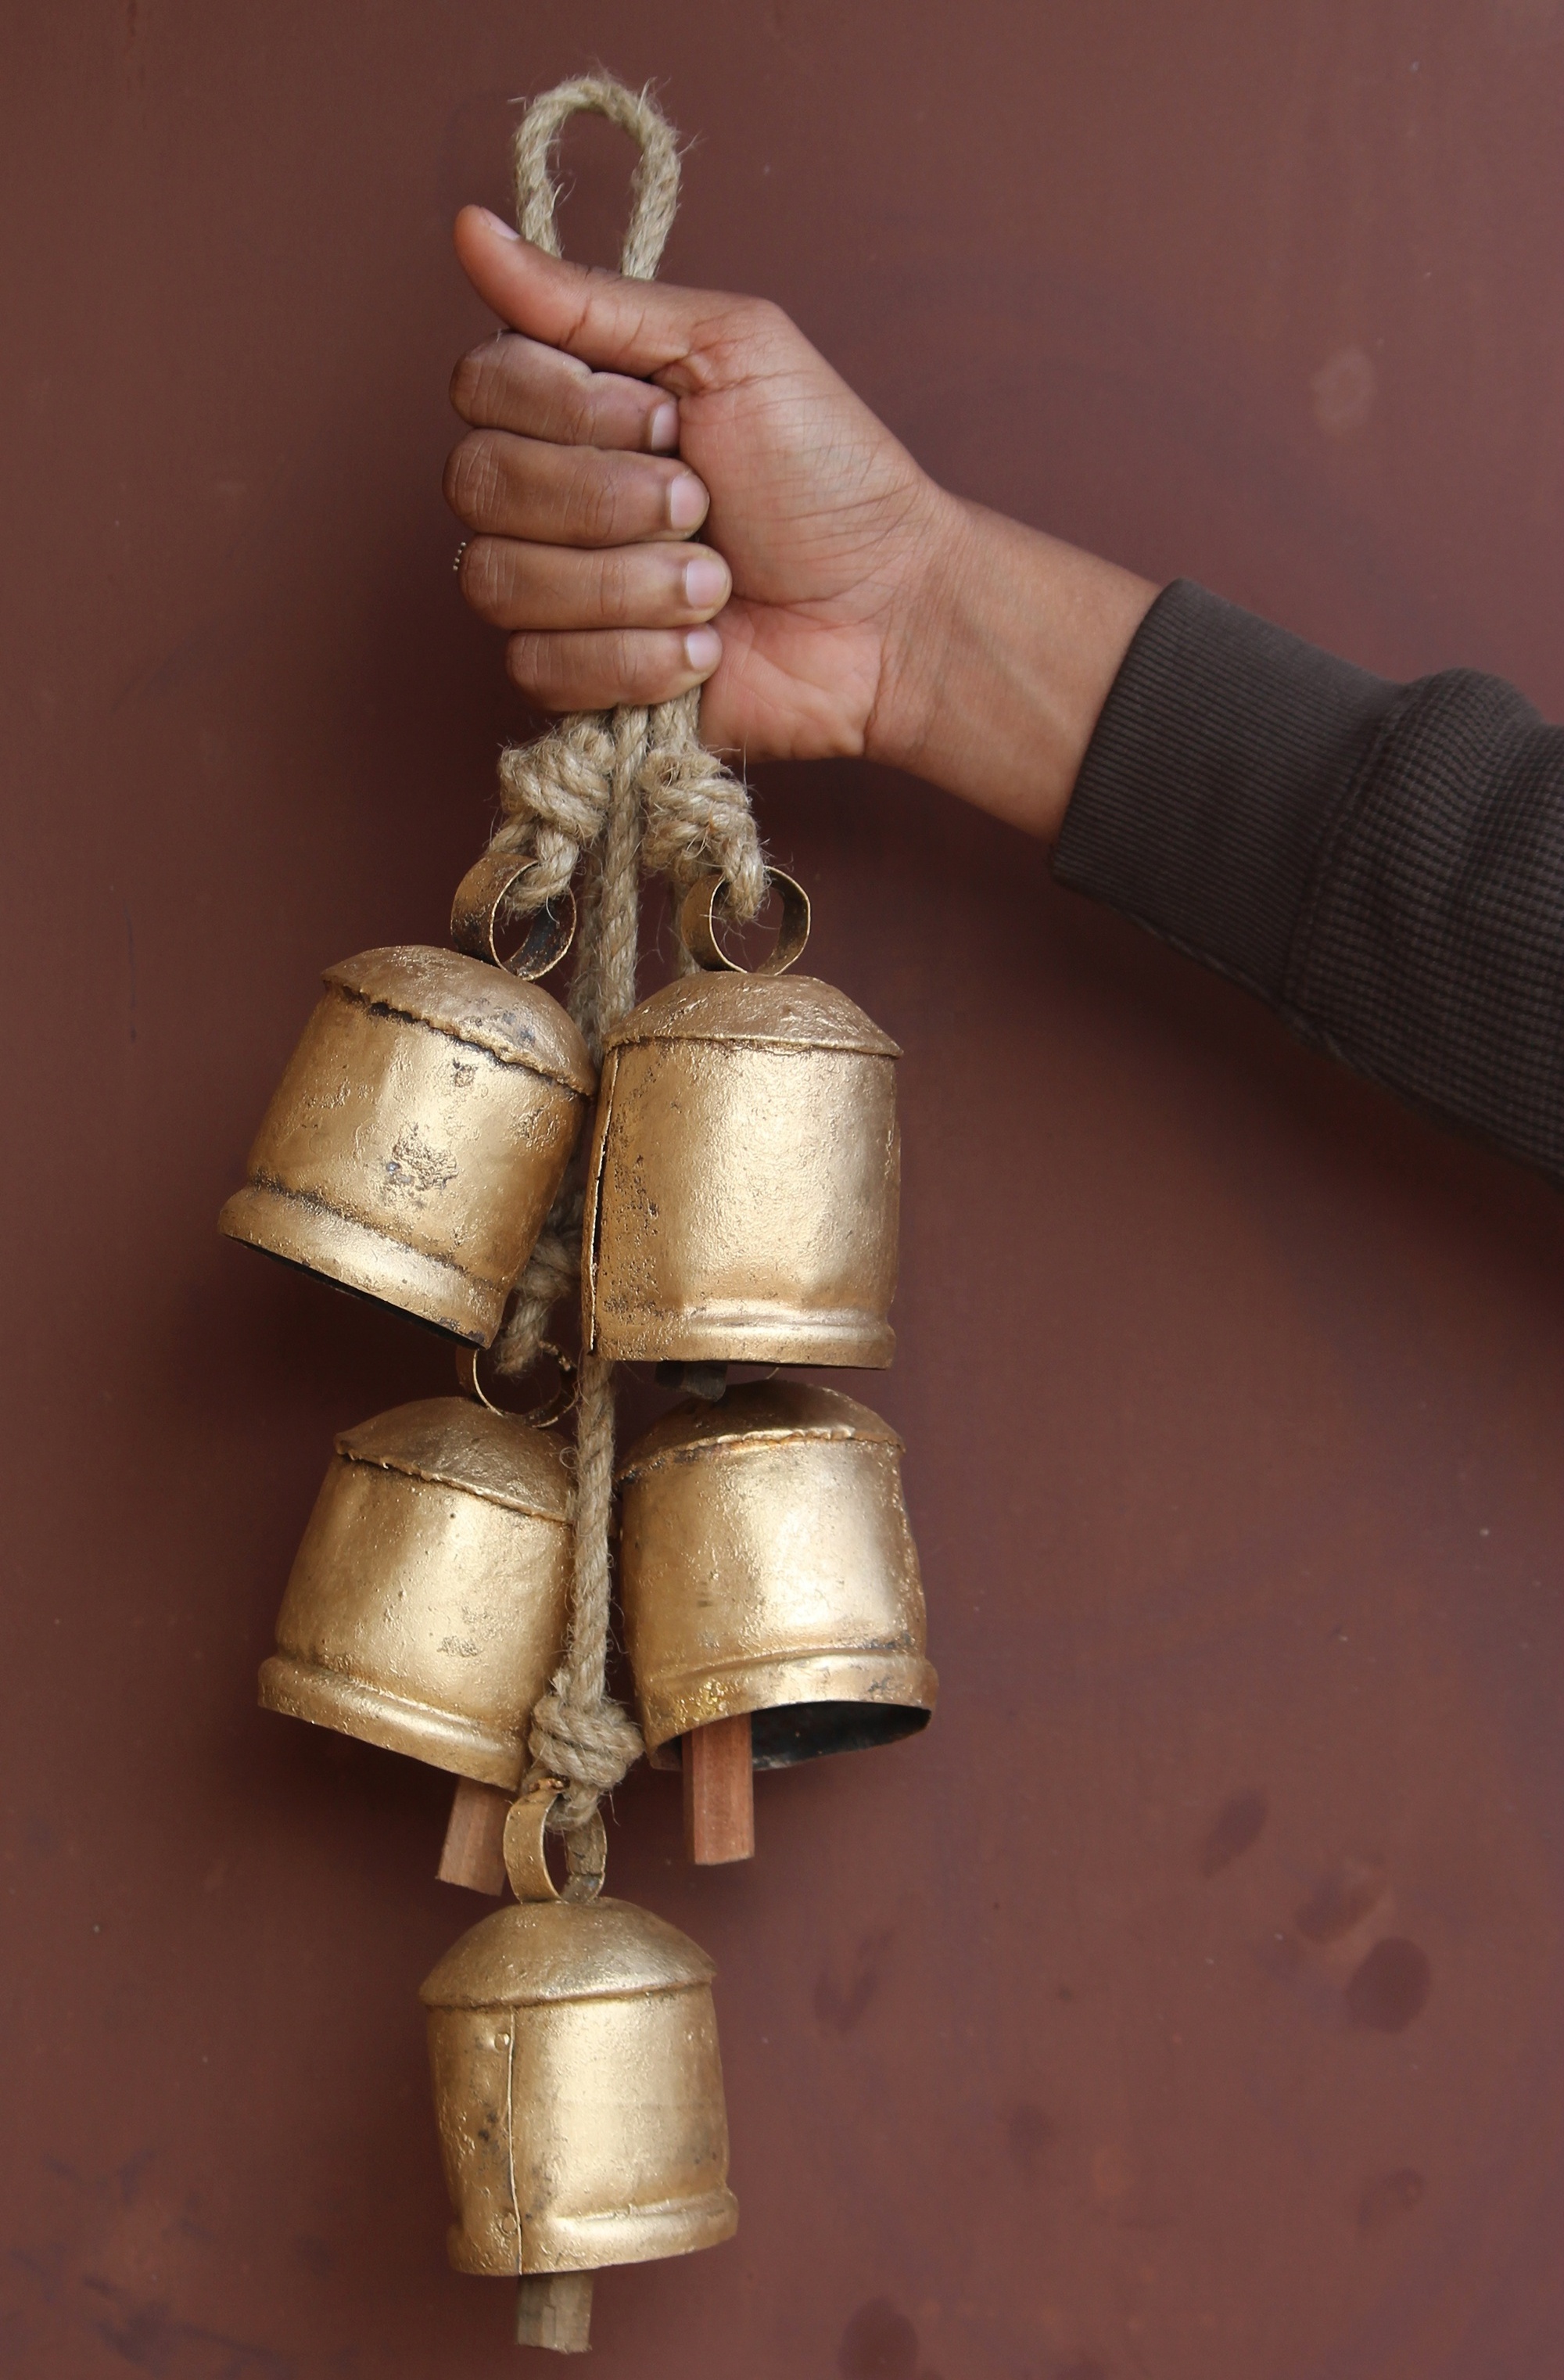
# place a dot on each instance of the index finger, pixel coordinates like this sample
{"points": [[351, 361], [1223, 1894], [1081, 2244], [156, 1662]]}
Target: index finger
{"points": [[516, 384]]}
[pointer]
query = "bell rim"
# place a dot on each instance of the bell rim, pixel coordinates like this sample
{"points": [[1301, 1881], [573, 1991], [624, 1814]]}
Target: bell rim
{"points": [[295, 1687], [298, 1229], [629, 2236], [903, 1679], [854, 1339]]}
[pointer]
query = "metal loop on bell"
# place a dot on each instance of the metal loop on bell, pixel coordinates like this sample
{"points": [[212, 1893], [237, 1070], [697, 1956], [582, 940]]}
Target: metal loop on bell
{"points": [[469, 1379], [476, 912], [525, 1840], [698, 926]]}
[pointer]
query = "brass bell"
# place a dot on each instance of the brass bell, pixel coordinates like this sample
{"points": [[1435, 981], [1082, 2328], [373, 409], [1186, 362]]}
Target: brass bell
{"points": [[421, 1131], [743, 1191], [577, 2085], [767, 1567], [425, 1608]]}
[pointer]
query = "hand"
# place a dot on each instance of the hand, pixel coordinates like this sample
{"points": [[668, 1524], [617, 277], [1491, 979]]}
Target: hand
{"points": [[859, 609]]}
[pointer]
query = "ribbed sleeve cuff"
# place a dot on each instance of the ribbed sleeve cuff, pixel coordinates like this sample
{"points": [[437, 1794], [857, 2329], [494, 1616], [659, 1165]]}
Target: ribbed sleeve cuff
{"points": [[1208, 786]]}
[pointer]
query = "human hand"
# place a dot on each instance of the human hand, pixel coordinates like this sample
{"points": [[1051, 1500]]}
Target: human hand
{"points": [[858, 608]]}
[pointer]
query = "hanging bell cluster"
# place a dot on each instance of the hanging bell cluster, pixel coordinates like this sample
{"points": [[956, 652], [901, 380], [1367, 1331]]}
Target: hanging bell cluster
{"points": [[741, 1209]]}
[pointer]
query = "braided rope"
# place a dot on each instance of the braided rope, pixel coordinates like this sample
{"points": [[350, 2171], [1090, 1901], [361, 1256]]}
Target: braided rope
{"points": [[605, 796]]}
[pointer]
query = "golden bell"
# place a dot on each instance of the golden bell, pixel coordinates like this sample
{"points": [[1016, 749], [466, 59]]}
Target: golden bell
{"points": [[578, 2085], [418, 1138], [744, 1184], [766, 1565], [425, 1608]]}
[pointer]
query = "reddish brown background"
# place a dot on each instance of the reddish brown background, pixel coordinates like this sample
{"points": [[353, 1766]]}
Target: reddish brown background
{"points": [[1233, 1394]]}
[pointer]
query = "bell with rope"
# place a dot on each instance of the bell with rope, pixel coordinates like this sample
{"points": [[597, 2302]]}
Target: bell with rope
{"points": [[742, 1187], [422, 1128], [773, 1607], [577, 2085], [426, 1608]]}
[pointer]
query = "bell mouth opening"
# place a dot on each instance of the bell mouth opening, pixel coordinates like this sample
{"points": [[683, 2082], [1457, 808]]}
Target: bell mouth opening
{"points": [[366, 1296], [795, 1731]]}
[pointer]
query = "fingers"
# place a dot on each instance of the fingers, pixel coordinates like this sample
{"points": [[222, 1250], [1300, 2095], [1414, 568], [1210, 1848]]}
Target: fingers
{"points": [[515, 384], [641, 327], [551, 586], [504, 486], [595, 671]]}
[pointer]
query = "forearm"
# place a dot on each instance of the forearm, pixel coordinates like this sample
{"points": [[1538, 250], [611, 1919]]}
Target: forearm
{"points": [[1000, 657]]}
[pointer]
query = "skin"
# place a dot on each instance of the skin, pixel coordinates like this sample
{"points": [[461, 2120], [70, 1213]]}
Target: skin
{"points": [[665, 488]]}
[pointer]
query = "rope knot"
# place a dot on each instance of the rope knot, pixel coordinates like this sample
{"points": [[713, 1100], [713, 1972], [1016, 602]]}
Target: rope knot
{"points": [[589, 1743], [556, 794], [697, 814]]}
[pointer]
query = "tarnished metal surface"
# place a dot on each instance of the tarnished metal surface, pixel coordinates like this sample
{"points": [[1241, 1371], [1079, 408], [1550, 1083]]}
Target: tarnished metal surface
{"points": [[426, 1606], [745, 1181], [766, 1565], [418, 1134], [577, 2085]]}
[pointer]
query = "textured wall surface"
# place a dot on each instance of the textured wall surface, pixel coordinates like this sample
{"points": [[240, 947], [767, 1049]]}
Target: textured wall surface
{"points": [[1183, 2005]]}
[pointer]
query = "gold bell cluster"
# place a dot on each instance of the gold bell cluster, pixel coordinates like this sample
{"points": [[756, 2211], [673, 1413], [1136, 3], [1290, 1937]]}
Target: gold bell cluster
{"points": [[738, 1196], [740, 1210]]}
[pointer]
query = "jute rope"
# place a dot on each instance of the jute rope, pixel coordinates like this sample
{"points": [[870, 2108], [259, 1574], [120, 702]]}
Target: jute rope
{"points": [[602, 797]]}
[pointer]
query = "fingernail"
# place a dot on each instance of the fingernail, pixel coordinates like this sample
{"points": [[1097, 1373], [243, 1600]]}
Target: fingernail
{"points": [[703, 650], [498, 224], [686, 501], [662, 435], [706, 582]]}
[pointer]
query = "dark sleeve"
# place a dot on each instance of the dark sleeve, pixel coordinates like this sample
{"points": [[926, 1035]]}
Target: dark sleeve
{"points": [[1383, 863]]}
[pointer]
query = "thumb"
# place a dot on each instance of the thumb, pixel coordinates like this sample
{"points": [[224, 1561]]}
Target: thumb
{"points": [[638, 327]]}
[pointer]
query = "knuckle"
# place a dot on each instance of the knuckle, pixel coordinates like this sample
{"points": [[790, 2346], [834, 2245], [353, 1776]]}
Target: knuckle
{"points": [[527, 665], [481, 381], [467, 385], [614, 592], [473, 481], [579, 411], [593, 505], [766, 318], [485, 580], [760, 328]]}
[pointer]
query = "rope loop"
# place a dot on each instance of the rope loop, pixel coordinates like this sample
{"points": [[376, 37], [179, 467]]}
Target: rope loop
{"points": [[654, 186]]}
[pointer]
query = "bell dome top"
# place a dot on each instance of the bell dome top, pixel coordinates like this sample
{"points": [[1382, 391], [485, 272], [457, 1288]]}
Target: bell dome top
{"points": [[564, 1951], [457, 1443], [793, 1011], [485, 1006], [767, 1411]]}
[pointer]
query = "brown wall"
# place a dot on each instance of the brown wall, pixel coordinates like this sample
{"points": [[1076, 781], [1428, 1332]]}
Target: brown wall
{"points": [[1059, 2044]]}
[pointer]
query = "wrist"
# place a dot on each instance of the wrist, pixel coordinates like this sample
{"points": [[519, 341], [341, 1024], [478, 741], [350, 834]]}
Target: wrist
{"points": [[998, 661]]}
